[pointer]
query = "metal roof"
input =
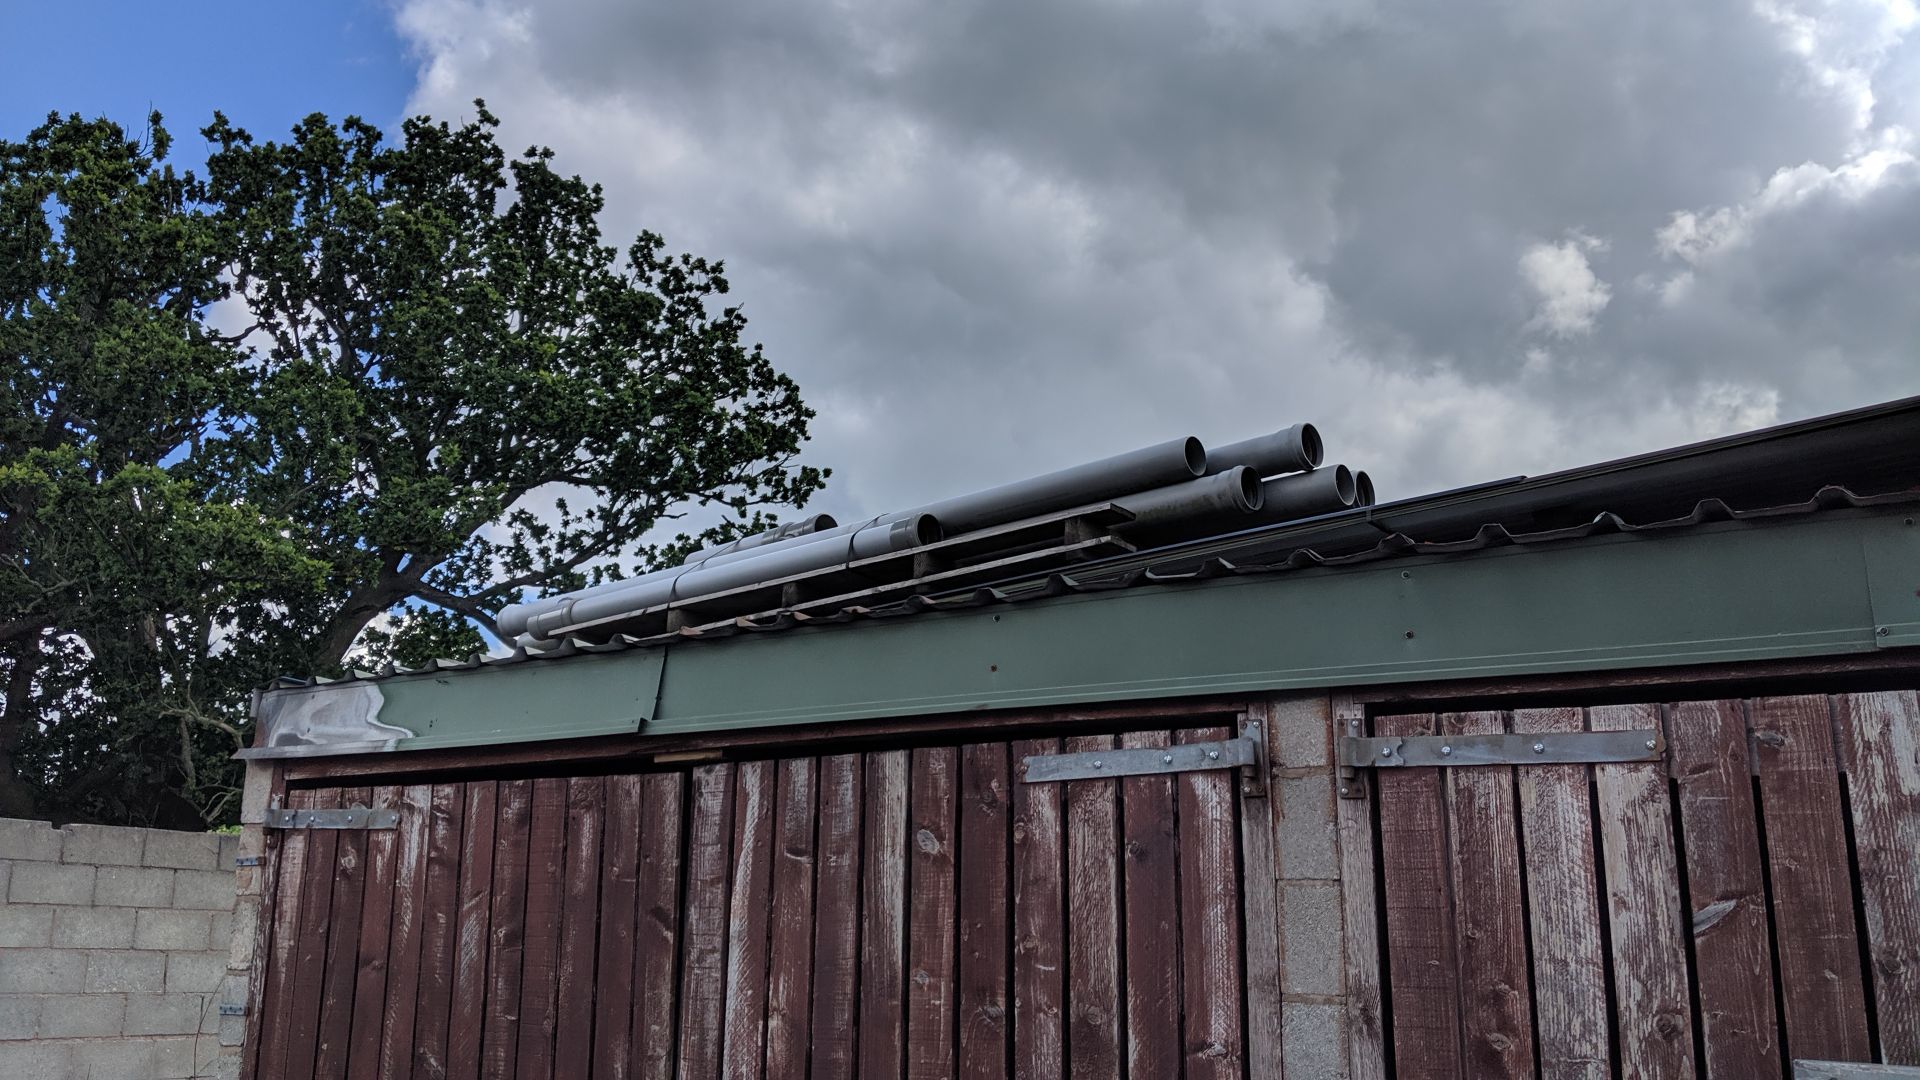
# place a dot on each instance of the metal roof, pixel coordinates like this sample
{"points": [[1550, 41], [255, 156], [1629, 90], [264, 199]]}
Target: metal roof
{"points": [[1860, 458], [1796, 542], [1260, 559]]}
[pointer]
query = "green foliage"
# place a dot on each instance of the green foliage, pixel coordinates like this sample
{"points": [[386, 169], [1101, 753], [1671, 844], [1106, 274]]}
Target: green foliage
{"points": [[336, 382]]}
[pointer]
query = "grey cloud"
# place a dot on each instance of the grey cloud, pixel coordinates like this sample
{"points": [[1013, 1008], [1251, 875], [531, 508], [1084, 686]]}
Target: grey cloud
{"points": [[993, 237]]}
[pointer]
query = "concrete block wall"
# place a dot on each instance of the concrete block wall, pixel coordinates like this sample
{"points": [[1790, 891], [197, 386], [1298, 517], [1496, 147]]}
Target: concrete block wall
{"points": [[1313, 983], [114, 945]]}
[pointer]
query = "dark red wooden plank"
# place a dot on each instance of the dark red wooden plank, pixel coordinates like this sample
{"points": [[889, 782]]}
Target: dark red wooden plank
{"points": [[1880, 737], [1039, 922], [507, 938], [1094, 1009], [343, 945], [836, 925], [656, 937], [1210, 916], [747, 915], [985, 805], [703, 978], [930, 917], [883, 918], [1815, 940], [1733, 958], [372, 964], [579, 919], [539, 966], [1556, 822], [440, 904], [1653, 1005], [309, 969], [470, 933], [1489, 911], [403, 947], [790, 937], [1151, 885], [619, 870], [1422, 956], [269, 1055]]}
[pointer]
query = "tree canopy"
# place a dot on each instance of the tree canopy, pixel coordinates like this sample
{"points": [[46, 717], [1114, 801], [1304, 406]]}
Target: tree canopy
{"points": [[338, 396]]}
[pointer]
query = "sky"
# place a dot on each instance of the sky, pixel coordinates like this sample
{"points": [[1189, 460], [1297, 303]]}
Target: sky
{"points": [[1467, 240]]}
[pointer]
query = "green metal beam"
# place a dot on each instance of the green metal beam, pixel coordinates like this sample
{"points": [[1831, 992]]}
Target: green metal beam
{"points": [[1822, 584]]}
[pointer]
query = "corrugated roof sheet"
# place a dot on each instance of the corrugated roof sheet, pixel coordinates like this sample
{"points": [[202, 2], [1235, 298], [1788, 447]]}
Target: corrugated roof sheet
{"points": [[1256, 552]]}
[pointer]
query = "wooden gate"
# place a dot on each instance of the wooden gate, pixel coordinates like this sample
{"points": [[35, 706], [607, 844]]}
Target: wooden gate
{"points": [[1753, 899], [916, 913]]}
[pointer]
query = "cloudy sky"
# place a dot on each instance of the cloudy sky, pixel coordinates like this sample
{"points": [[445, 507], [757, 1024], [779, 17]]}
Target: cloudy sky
{"points": [[1468, 240]]}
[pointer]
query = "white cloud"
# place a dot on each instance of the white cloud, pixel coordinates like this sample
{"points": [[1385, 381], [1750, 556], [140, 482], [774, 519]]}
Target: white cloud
{"points": [[989, 239], [1570, 295]]}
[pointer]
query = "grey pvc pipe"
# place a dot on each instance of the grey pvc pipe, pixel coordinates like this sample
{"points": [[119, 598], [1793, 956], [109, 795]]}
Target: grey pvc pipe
{"points": [[806, 526], [514, 618], [1291, 449], [687, 582], [1235, 491], [1307, 494], [1108, 478], [1362, 489]]}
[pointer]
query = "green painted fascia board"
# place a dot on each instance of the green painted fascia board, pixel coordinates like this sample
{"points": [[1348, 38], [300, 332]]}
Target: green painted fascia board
{"points": [[587, 695], [1816, 585]]}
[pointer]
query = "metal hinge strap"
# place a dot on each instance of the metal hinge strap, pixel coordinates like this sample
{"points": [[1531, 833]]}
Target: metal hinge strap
{"points": [[351, 817], [1240, 753], [1550, 748]]}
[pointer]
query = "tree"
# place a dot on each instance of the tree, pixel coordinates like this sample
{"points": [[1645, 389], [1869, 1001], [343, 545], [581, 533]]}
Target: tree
{"points": [[336, 382]]}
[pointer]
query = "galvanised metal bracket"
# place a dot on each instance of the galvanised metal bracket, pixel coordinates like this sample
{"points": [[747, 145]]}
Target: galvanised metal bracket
{"points": [[1551, 748], [351, 817], [1241, 753]]}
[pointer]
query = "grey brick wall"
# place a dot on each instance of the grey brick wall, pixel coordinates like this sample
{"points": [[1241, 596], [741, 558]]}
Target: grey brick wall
{"points": [[114, 945]]}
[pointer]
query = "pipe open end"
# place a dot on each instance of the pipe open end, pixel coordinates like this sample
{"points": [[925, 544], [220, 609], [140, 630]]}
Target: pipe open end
{"points": [[1196, 457], [926, 530], [1362, 489], [1248, 492], [1310, 446], [1344, 486], [821, 523]]}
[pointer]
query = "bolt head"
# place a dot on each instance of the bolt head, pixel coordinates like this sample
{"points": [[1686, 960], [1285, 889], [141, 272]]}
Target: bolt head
{"points": [[1098, 764], [1166, 759], [1213, 755], [1651, 744], [1539, 748], [1386, 751], [1446, 751]]}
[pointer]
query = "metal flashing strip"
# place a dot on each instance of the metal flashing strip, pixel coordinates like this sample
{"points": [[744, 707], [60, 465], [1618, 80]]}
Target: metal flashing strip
{"points": [[1240, 753], [1555, 748], [352, 817], [1804, 1069]]}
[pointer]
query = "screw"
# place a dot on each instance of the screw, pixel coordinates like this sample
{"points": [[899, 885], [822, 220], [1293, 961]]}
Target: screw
{"points": [[1343, 789], [1097, 763], [1166, 759], [1213, 755], [1386, 751], [1409, 635], [1445, 751], [1883, 631], [1651, 744], [1539, 748]]}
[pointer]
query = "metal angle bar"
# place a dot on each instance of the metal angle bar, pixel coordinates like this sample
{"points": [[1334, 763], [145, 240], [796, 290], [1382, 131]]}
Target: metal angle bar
{"points": [[352, 817], [1559, 748], [1241, 753]]}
